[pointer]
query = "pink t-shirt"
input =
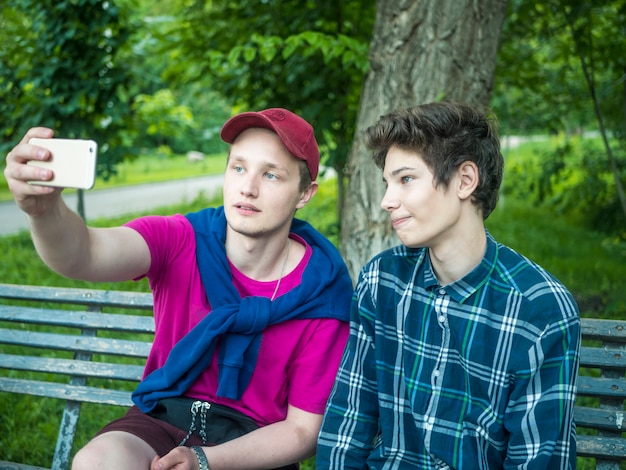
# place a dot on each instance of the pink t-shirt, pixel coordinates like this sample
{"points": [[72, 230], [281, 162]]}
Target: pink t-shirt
{"points": [[298, 359]]}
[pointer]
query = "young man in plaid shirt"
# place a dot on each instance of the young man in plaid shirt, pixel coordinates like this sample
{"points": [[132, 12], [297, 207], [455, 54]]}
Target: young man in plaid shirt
{"points": [[462, 353]]}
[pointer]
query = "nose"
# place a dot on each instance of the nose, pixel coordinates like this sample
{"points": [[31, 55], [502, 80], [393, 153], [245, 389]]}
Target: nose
{"points": [[249, 186], [389, 201]]}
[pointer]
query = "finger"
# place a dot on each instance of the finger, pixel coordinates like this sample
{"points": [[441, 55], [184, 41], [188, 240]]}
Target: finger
{"points": [[174, 460], [155, 464], [179, 458], [41, 132], [32, 188], [17, 170], [25, 152]]}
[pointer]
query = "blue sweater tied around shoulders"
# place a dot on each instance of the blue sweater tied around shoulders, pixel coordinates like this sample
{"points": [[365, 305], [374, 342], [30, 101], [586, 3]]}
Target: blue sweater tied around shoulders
{"points": [[325, 292]]}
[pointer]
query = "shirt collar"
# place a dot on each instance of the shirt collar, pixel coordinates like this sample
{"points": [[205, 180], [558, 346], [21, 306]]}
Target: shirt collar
{"points": [[465, 287]]}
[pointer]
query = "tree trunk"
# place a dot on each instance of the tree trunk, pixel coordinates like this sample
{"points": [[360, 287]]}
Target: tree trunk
{"points": [[421, 51]]}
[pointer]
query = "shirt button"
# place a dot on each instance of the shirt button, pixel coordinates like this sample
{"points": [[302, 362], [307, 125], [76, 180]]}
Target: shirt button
{"points": [[436, 373], [442, 291], [441, 318]]}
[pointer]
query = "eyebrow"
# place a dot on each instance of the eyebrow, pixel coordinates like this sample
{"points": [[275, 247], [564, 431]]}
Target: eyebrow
{"points": [[400, 170]]}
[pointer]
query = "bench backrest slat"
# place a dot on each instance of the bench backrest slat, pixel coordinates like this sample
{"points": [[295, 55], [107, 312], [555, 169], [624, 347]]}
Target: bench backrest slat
{"points": [[72, 367], [69, 295], [75, 343], [603, 358], [602, 387], [591, 446], [604, 330], [608, 420], [65, 391], [78, 319]]}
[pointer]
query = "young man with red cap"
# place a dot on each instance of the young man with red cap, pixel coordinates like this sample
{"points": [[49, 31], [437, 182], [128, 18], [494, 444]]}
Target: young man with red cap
{"points": [[250, 305]]}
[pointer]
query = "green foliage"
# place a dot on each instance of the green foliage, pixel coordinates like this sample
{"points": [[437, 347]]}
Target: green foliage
{"points": [[321, 212], [569, 176], [60, 71], [89, 69], [309, 56], [161, 116], [539, 81]]}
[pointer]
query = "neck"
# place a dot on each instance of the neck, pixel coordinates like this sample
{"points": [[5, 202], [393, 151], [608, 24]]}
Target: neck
{"points": [[261, 261], [453, 261]]}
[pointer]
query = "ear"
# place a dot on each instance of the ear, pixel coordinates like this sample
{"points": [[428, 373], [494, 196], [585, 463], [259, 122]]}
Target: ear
{"points": [[307, 195], [468, 179]]}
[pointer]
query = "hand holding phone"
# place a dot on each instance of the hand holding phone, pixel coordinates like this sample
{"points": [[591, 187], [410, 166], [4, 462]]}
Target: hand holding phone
{"points": [[72, 161]]}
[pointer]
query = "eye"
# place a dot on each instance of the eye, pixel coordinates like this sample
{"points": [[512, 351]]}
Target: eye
{"points": [[238, 168], [271, 176], [406, 179]]}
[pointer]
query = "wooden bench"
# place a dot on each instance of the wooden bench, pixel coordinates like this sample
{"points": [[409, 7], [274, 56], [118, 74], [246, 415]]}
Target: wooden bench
{"points": [[602, 393], [35, 341], [33, 337]]}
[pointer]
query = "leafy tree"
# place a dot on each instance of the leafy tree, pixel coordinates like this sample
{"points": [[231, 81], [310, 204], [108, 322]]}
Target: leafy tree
{"points": [[561, 67], [200, 110], [59, 70], [580, 20], [161, 115], [307, 56]]}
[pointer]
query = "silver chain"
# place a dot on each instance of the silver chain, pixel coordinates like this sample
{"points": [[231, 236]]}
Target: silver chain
{"points": [[203, 406]]}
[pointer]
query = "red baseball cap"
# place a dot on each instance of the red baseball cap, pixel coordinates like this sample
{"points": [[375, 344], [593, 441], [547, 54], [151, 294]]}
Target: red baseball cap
{"points": [[295, 133]]}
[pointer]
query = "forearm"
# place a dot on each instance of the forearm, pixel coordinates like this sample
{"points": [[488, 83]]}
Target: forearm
{"points": [[271, 446]]}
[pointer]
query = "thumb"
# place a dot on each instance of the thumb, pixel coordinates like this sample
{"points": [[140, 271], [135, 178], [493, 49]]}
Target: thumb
{"points": [[156, 463]]}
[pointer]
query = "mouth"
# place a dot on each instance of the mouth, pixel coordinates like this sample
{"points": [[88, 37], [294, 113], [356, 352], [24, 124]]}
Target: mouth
{"points": [[398, 221], [246, 208]]}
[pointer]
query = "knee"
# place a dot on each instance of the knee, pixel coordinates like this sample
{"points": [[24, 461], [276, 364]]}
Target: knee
{"points": [[114, 450], [88, 457]]}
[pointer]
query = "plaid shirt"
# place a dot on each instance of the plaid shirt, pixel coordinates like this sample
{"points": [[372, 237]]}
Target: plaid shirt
{"points": [[477, 374]]}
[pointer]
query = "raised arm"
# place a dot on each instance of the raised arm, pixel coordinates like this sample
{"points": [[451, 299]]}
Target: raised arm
{"points": [[60, 236]]}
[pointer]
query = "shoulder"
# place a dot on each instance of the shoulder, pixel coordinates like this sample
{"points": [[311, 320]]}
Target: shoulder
{"points": [[165, 235], [398, 261], [538, 288], [387, 274], [157, 223]]}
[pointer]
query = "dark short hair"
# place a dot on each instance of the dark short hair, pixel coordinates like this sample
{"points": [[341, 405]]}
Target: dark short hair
{"points": [[445, 134]]}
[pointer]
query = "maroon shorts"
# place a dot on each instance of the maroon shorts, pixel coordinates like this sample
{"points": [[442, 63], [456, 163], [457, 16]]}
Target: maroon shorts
{"points": [[161, 436]]}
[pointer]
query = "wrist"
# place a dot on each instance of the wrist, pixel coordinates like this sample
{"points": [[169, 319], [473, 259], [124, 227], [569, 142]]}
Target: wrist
{"points": [[203, 463]]}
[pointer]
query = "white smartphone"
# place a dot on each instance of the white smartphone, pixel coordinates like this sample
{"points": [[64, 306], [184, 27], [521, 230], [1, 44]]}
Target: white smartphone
{"points": [[73, 162]]}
